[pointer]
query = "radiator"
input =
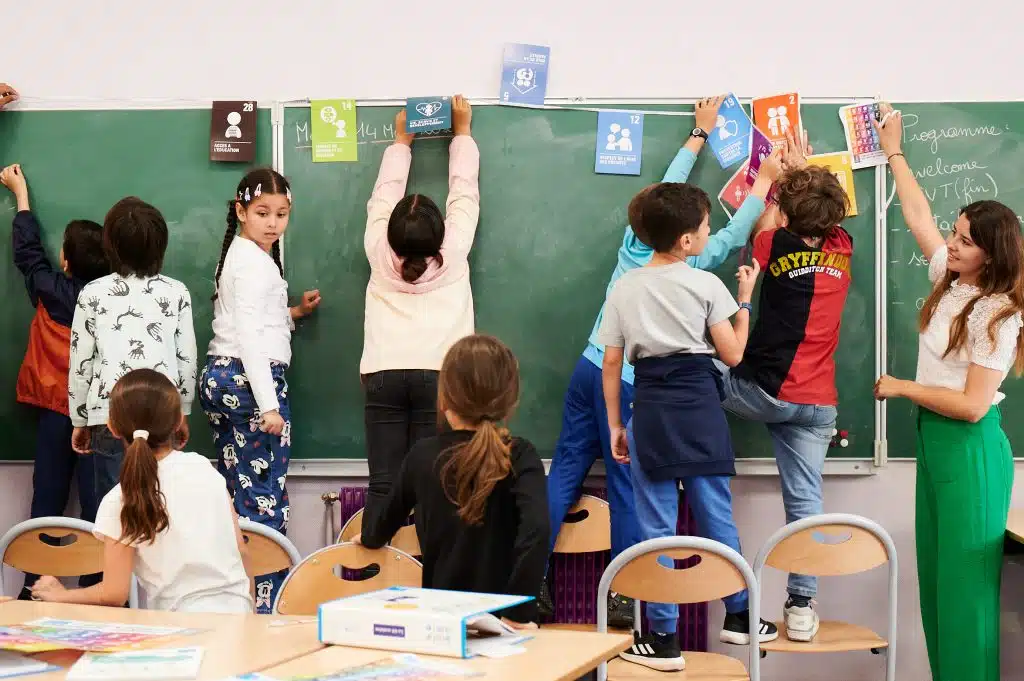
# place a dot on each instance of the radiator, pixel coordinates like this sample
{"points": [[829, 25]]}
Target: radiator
{"points": [[574, 577]]}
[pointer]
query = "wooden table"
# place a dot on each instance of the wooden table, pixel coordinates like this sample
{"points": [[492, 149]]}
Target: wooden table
{"points": [[1015, 524], [232, 644], [550, 656]]}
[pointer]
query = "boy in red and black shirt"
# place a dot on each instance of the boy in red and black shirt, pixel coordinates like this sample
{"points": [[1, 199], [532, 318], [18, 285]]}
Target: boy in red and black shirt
{"points": [[43, 378], [787, 376]]}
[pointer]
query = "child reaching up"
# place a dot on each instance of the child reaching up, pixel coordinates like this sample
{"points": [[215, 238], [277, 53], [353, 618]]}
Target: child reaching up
{"points": [[43, 378], [243, 388], [169, 520], [131, 319], [418, 299], [479, 494], [668, 319]]}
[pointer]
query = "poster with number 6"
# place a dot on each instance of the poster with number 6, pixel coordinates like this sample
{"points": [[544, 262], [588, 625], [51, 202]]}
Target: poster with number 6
{"points": [[233, 132]]}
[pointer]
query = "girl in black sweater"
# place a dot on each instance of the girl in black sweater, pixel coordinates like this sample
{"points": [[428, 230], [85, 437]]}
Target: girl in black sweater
{"points": [[479, 494]]}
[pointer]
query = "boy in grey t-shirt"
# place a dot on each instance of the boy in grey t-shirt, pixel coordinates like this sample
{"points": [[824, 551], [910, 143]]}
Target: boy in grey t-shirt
{"points": [[669, 319]]}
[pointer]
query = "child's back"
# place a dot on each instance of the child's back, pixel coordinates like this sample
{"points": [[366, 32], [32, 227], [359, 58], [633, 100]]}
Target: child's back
{"points": [[194, 565]]}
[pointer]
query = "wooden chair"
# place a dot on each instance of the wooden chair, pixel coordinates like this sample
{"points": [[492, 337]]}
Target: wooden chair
{"points": [[720, 572], [826, 546], [587, 528], [313, 581], [78, 553], [269, 550], [405, 539]]}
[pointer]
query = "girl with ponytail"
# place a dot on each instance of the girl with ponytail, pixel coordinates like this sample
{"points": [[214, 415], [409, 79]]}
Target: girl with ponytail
{"points": [[169, 520], [242, 388], [479, 494], [418, 300]]}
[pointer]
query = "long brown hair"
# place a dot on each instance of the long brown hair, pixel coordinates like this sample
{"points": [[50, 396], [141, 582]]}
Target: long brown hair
{"points": [[143, 400], [996, 230], [479, 382]]}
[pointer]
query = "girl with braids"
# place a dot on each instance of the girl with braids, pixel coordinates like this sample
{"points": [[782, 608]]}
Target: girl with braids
{"points": [[418, 300], [970, 338], [242, 387], [480, 495], [169, 520]]}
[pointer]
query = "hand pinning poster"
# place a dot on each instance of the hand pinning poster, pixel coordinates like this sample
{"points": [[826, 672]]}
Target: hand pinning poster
{"points": [[730, 140], [428, 114], [233, 132], [760, 149], [735, 191], [524, 74], [841, 165], [333, 129], [861, 136], [620, 141], [777, 115]]}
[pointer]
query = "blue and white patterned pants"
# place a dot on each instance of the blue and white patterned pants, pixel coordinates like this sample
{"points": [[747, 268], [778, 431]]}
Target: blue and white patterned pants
{"points": [[254, 463]]}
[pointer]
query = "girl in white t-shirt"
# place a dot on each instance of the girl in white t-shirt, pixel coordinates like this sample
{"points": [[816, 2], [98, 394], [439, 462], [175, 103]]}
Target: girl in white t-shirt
{"points": [[170, 520], [970, 339]]}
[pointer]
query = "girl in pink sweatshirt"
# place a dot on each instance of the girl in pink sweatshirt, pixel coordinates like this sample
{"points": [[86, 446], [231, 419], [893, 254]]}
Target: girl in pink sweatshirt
{"points": [[418, 299]]}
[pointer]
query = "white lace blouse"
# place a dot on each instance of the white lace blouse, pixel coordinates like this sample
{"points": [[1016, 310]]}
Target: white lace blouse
{"points": [[951, 371]]}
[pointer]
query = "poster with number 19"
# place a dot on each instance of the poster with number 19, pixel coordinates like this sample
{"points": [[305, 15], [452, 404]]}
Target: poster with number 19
{"points": [[730, 140]]}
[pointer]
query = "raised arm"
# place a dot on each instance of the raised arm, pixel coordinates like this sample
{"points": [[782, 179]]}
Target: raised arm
{"points": [[916, 210], [462, 210], [390, 187]]}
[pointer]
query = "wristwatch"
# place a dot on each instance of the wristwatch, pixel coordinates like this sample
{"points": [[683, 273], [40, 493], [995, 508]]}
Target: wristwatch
{"points": [[748, 307], [697, 132]]}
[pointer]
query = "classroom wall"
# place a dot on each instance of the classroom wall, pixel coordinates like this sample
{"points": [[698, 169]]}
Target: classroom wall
{"points": [[917, 49], [143, 54]]}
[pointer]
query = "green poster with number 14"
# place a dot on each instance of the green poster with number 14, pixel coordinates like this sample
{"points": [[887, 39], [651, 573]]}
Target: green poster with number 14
{"points": [[334, 131]]}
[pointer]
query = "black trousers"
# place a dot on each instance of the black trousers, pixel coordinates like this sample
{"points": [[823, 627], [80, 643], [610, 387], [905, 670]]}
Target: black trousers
{"points": [[401, 409]]}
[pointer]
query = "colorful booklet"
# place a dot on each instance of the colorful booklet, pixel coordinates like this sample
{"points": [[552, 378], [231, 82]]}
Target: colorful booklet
{"points": [[405, 667], [104, 637], [861, 136], [164, 664], [429, 621]]}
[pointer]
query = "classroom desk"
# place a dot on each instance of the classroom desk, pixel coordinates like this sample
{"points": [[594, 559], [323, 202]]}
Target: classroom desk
{"points": [[232, 644], [550, 656], [1015, 525]]}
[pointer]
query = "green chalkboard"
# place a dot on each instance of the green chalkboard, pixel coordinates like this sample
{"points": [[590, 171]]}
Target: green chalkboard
{"points": [[549, 230], [960, 153], [78, 163]]}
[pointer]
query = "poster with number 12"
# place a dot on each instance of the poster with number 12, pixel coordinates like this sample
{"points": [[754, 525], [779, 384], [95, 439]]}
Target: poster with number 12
{"points": [[620, 142]]}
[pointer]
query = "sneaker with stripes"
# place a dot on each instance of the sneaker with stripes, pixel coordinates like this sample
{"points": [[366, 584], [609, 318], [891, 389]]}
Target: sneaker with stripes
{"points": [[656, 651], [736, 629]]}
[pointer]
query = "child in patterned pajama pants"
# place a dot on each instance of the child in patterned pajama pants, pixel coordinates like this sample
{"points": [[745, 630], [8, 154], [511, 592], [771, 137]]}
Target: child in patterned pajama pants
{"points": [[254, 463]]}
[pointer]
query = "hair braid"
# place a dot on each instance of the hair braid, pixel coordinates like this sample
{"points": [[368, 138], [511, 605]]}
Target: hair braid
{"points": [[275, 253], [229, 236]]}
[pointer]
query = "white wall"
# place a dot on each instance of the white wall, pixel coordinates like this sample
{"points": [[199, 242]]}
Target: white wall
{"points": [[273, 49], [70, 53]]}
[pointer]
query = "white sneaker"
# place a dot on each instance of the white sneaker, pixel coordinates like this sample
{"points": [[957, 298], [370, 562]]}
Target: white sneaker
{"points": [[801, 622]]}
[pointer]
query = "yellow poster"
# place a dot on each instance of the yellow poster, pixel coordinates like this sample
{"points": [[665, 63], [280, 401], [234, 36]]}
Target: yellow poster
{"points": [[841, 165]]}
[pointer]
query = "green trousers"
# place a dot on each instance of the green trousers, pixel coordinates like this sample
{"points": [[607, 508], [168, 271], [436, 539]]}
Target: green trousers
{"points": [[964, 480]]}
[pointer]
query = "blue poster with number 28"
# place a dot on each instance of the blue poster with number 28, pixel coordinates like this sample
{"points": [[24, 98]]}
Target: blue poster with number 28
{"points": [[620, 142]]}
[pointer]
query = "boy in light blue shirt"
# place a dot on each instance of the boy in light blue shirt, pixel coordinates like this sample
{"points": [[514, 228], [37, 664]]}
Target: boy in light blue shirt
{"points": [[584, 435]]}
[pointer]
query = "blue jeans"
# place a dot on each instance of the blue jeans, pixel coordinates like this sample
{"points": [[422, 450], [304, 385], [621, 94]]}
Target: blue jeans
{"points": [[107, 456], [583, 438], [657, 509], [800, 434], [253, 463]]}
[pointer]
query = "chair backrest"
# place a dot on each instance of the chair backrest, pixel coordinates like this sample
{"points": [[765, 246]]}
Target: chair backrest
{"points": [[827, 547], [313, 581], [269, 550], [58, 546], [62, 547], [718, 571], [405, 539], [587, 527]]}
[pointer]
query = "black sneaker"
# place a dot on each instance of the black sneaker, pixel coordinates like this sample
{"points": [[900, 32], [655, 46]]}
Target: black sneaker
{"points": [[656, 651], [736, 630], [620, 611], [545, 606]]}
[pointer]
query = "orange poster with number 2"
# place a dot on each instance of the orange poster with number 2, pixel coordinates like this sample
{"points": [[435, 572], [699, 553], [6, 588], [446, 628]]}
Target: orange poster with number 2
{"points": [[776, 115]]}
